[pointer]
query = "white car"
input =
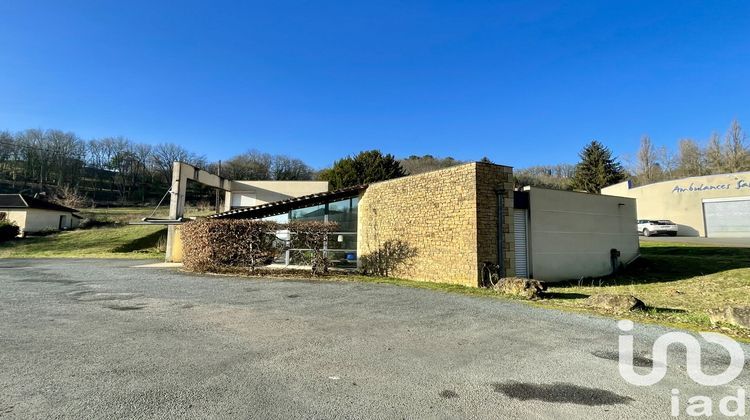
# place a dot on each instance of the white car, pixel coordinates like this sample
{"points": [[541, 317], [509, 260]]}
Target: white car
{"points": [[657, 227]]}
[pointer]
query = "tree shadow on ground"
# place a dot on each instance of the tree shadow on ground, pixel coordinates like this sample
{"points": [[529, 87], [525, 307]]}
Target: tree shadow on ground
{"points": [[665, 311], [148, 242], [671, 263], [564, 295]]}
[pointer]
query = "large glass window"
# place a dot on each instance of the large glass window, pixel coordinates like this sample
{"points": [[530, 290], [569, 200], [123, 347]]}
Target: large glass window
{"points": [[341, 246], [309, 213], [279, 218], [344, 213]]}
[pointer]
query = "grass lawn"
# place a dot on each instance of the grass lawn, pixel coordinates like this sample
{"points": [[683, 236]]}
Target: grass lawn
{"points": [[132, 214], [118, 240], [105, 242], [678, 282]]}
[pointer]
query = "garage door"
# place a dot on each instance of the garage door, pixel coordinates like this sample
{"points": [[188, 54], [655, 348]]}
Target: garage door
{"points": [[521, 241], [727, 218]]}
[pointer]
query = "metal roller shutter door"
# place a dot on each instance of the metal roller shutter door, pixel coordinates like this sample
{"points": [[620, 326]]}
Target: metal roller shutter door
{"points": [[727, 218], [521, 242]]}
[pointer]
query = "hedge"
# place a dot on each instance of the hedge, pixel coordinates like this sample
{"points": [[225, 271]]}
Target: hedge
{"points": [[211, 245]]}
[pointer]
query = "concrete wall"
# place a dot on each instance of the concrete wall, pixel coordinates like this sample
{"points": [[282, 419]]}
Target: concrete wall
{"points": [[36, 220], [571, 233], [682, 200], [178, 254], [448, 217], [270, 191]]}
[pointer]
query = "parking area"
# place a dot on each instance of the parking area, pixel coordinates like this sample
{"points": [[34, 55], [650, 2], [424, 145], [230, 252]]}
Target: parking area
{"points": [[102, 338]]}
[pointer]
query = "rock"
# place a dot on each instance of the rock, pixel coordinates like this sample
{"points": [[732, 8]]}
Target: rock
{"points": [[516, 286], [616, 303], [735, 315]]}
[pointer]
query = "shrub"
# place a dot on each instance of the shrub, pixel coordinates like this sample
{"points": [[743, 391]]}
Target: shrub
{"points": [[8, 230], [69, 197], [211, 245], [312, 235]]}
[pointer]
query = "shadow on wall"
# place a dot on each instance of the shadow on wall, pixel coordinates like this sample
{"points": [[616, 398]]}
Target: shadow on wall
{"points": [[390, 257], [685, 230]]}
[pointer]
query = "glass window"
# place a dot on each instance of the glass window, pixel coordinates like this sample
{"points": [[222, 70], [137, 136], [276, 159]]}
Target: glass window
{"points": [[309, 213], [279, 218], [344, 213]]}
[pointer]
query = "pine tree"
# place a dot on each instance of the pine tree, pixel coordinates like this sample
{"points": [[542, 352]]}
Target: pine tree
{"points": [[366, 167], [597, 169]]}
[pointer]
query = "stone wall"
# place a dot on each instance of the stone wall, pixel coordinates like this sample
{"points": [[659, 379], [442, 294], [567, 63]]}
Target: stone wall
{"points": [[447, 217], [491, 181]]}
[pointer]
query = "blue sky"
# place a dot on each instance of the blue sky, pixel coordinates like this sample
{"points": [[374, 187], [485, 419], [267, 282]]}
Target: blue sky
{"points": [[522, 83]]}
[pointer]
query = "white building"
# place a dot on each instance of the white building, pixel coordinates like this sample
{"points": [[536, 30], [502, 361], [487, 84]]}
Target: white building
{"points": [[33, 215]]}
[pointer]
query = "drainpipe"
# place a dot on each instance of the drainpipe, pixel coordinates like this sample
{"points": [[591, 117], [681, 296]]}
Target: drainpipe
{"points": [[500, 232]]}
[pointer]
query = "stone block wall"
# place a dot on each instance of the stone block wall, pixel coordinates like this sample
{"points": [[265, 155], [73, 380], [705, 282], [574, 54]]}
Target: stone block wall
{"points": [[446, 217], [491, 181]]}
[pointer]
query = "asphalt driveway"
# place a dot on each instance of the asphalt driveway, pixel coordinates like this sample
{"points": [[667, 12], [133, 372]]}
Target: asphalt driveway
{"points": [[96, 339]]}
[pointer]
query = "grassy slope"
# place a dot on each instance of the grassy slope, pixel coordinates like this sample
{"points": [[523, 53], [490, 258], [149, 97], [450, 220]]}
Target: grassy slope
{"points": [[105, 242], [118, 241]]}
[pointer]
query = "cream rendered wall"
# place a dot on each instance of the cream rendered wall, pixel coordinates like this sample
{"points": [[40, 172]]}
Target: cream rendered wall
{"points": [[571, 234], [270, 191], [682, 200], [39, 220], [16, 216]]}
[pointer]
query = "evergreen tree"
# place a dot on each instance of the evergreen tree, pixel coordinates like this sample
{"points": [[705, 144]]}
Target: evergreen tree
{"points": [[365, 168], [597, 169]]}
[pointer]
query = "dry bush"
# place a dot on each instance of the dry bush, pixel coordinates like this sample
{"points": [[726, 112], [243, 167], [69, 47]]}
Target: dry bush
{"points": [[69, 197], [313, 235], [212, 245]]}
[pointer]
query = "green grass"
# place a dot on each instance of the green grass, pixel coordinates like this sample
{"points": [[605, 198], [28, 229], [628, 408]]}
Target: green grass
{"points": [[679, 283], [107, 242], [116, 240], [132, 214]]}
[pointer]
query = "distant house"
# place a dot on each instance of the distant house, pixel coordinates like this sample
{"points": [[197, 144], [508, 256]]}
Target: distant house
{"points": [[34, 215]]}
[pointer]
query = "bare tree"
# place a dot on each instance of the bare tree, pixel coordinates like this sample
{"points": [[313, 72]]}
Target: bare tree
{"points": [[559, 177], [419, 164], [284, 168], [648, 165], [715, 155], [735, 151], [667, 161], [251, 165], [691, 159], [165, 154]]}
